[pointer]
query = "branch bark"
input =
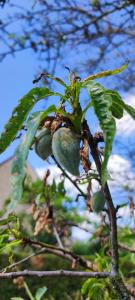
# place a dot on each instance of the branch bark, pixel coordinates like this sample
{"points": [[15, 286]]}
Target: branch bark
{"points": [[111, 208], [58, 273], [115, 278]]}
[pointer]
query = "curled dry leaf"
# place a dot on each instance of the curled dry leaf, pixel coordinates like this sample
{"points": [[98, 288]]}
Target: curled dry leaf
{"points": [[84, 155], [74, 263], [19, 282], [37, 261], [43, 220]]}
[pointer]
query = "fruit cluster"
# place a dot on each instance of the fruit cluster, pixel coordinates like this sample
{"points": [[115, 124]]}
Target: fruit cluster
{"points": [[64, 144]]}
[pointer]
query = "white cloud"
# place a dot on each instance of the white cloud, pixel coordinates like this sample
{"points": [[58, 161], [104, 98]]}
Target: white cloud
{"points": [[126, 125], [82, 234], [120, 171], [55, 173], [127, 216]]}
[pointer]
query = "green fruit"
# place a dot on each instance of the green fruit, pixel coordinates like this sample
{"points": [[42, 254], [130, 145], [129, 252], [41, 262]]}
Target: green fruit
{"points": [[98, 201], [43, 144], [66, 149]]}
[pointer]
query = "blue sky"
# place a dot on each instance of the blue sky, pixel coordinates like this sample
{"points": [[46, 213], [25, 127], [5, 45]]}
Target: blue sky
{"points": [[17, 74]]}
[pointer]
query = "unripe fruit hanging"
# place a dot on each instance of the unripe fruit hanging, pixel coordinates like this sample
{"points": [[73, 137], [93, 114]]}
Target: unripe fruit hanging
{"points": [[98, 201], [43, 144], [66, 149]]}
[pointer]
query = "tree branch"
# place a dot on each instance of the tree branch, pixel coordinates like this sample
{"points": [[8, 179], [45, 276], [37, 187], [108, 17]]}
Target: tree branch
{"points": [[62, 253], [111, 208], [126, 248], [58, 273]]}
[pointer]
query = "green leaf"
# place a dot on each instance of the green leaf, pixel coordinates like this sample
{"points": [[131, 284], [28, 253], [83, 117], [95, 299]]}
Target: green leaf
{"points": [[102, 103], [40, 293], [10, 218], [20, 114], [7, 247], [85, 110], [85, 287], [129, 109], [104, 74], [57, 79], [117, 104], [18, 165]]}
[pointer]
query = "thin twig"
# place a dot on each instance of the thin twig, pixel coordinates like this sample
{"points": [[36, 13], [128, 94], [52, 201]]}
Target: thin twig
{"points": [[57, 236], [75, 225], [22, 260], [71, 180]]}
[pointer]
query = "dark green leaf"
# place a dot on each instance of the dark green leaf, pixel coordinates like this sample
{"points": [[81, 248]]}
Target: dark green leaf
{"points": [[102, 103], [20, 114], [129, 109], [117, 105]]}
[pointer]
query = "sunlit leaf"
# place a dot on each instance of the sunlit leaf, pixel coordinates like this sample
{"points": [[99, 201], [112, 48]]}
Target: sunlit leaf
{"points": [[7, 247], [85, 110], [40, 293], [20, 114], [104, 74]]}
